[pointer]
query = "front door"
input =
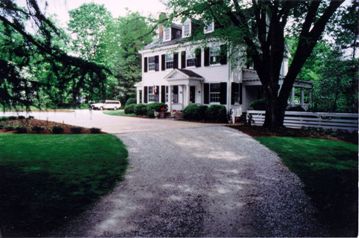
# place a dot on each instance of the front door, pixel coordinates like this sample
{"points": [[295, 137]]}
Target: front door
{"points": [[192, 94]]}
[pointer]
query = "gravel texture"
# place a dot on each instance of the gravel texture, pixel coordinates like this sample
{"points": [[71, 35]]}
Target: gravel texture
{"points": [[200, 181]]}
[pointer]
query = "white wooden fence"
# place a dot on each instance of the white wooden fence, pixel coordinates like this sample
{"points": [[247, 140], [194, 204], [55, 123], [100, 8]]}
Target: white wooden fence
{"points": [[326, 120]]}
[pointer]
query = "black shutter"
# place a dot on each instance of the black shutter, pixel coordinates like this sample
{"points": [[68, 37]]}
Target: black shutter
{"points": [[206, 93], [145, 95], [223, 93], [198, 57], [157, 63], [145, 64], [223, 54], [206, 56], [175, 60], [234, 92], [163, 93], [240, 93], [163, 60], [183, 59]]}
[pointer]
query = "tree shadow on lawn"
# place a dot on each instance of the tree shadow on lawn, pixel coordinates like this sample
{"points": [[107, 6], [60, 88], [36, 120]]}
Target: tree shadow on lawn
{"points": [[33, 204]]}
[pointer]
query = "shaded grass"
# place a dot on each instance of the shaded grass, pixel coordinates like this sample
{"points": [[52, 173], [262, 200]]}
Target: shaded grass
{"points": [[47, 179], [119, 113], [328, 170]]}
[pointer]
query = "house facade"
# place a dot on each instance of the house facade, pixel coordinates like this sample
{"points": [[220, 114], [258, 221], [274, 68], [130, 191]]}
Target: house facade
{"points": [[179, 71]]}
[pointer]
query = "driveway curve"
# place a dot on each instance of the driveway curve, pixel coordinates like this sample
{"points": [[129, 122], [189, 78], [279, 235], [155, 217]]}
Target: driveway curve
{"points": [[191, 179]]}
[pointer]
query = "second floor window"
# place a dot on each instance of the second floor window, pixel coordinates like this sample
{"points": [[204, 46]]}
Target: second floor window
{"points": [[151, 63], [167, 34], [169, 61], [191, 58], [214, 55]]}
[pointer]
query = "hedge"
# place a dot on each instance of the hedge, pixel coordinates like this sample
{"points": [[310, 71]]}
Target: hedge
{"points": [[131, 101], [140, 109], [129, 109], [213, 113], [216, 113], [259, 104]]}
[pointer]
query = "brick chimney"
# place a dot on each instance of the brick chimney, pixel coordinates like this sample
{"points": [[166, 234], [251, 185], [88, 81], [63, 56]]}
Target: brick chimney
{"points": [[161, 18]]}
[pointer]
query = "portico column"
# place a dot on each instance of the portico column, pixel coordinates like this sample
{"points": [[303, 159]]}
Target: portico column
{"points": [[137, 96], [187, 95], [160, 93], [169, 98]]}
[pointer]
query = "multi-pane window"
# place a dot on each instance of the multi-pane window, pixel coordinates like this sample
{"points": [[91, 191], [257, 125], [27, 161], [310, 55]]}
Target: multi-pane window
{"points": [[186, 29], [214, 92], [152, 94], [191, 58], [209, 28], [167, 34], [169, 61], [151, 63], [214, 55]]}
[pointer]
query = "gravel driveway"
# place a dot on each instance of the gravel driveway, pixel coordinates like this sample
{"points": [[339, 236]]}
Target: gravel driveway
{"points": [[191, 179]]}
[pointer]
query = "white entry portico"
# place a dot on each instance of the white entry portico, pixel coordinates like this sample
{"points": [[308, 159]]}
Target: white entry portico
{"points": [[190, 84]]}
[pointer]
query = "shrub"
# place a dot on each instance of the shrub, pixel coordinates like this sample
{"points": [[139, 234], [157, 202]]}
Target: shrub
{"points": [[259, 104], [129, 109], [95, 130], [21, 117], [216, 113], [1, 126], [57, 130], [140, 109], [157, 106], [191, 112], [12, 117], [37, 129], [9, 128], [131, 101], [4, 118], [150, 112], [76, 130], [21, 129], [297, 108], [30, 117], [202, 111]]}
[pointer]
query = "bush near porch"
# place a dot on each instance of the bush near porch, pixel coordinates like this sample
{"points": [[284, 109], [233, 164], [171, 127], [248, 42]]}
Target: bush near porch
{"points": [[213, 113], [145, 109]]}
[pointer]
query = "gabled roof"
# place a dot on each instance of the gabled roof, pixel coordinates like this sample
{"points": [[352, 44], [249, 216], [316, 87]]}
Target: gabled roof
{"points": [[180, 74], [190, 73]]}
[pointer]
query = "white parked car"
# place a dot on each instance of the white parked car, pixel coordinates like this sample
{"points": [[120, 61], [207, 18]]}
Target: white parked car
{"points": [[106, 105]]}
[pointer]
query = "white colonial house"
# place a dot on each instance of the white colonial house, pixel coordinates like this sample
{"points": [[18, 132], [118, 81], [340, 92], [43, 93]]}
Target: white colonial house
{"points": [[178, 71]]}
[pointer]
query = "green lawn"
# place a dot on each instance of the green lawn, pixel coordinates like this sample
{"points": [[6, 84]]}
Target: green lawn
{"points": [[47, 179], [328, 169], [119, 113]]}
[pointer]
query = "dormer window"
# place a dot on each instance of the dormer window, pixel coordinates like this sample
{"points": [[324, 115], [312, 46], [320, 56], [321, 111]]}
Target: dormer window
{"points": [[208, 28], [167, 34], [186, 28]]}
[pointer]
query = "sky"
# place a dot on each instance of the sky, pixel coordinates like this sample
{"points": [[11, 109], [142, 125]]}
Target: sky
{"points": [[117, 8]]}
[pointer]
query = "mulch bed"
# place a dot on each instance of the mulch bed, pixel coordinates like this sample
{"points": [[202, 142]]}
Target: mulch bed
{"points": [[10, 126], [257, 131]]}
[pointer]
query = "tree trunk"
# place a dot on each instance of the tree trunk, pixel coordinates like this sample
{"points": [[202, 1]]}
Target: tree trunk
{"points": [[275, 110]]}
